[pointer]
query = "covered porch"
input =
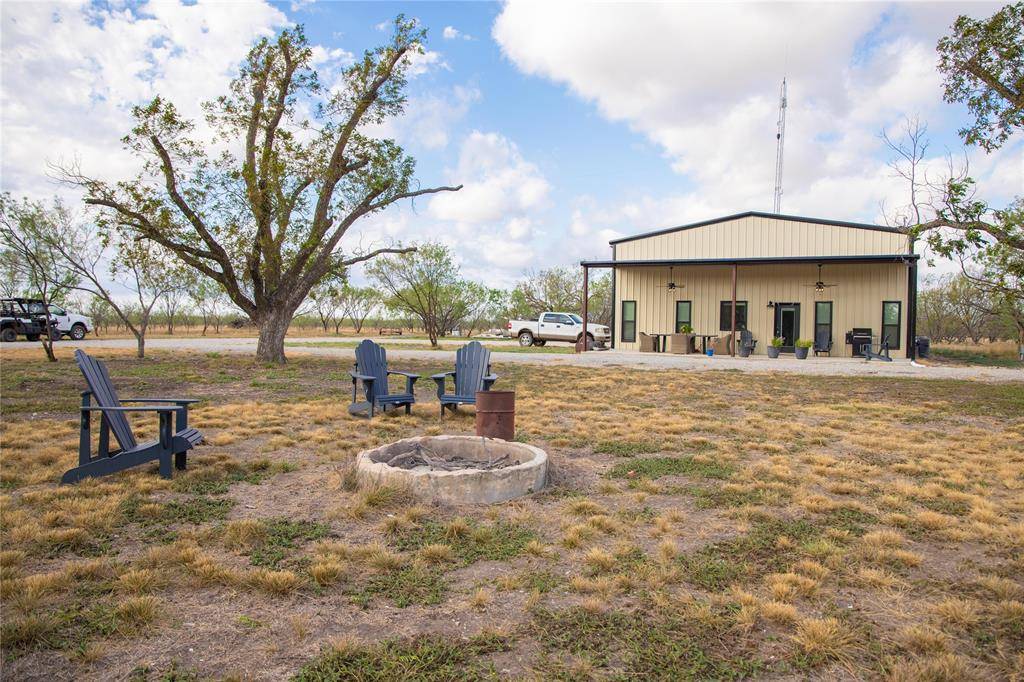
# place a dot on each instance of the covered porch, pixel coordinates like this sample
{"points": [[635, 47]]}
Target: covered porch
{"points": [[801, 297]]}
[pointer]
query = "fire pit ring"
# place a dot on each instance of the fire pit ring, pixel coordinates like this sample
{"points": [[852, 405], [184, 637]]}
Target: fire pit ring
{"points": [[520, 469]]}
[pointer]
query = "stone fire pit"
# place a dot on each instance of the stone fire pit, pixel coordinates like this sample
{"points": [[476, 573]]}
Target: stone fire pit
{"points": [[444, 468]]}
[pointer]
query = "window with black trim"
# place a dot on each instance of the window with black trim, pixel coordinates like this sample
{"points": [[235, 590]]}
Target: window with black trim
{"points": [[822, 324], [683, 310], [726, 317], [628, 321], [892, 311]]}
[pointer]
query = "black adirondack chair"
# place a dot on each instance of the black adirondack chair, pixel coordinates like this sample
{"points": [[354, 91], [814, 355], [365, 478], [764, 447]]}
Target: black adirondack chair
{"points": [[176, 439], [882, 352], [372, 369], [472, 373], [747, 343], [823, 342]]}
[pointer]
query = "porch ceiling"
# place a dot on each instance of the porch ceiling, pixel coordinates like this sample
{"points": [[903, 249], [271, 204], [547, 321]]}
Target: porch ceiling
{"points": [[889, 258]]}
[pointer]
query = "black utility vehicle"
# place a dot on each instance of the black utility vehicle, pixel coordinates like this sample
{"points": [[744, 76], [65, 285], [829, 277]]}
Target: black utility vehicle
{"points": [[24, 317]]}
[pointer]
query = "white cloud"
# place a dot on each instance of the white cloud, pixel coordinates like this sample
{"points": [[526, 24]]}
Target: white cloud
{"points": [[428, 118], [72, 72], [452, 33], [701, 81], [421, 62], [499, 183]]}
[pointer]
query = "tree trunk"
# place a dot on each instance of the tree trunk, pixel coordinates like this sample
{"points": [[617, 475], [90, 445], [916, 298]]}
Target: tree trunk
{"points": [[273, 327], [140, 341]]}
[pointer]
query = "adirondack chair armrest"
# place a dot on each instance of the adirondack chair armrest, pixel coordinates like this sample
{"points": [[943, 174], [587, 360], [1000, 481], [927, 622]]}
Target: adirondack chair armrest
{"points": [[176, 401], [410, 378], [141, 408], [489, 381], [439, 379], [361, 377]]}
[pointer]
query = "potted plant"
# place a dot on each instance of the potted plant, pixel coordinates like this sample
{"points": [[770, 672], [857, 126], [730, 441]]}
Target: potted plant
{"points": [[774, 347], [801, 348]]}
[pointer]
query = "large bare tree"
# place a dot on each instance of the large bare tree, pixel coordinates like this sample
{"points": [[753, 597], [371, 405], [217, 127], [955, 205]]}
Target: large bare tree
{"points": [[262, 207]]}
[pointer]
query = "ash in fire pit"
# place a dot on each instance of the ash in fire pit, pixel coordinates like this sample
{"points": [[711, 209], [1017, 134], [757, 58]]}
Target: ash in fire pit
{"points": [[457, 469], [420, 455]]}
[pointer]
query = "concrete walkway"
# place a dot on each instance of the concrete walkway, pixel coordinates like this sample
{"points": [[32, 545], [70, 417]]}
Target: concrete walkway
{"points": [[692, 363]]}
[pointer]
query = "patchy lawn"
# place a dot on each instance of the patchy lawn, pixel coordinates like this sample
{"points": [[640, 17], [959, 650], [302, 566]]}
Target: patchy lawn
{"points": [[711, 525]]}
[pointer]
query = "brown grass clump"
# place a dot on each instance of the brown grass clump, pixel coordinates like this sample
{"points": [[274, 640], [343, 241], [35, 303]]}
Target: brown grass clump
{"points": [[1001, 588], [824, 639], [942, 668], [326, 572], [134, 612], [244, 534], [480, 599], [785, 587], [779, 612], [932, 520], [535, 548], [599, 560], [380, 557], [436, 553], [140, 581], [457, 529], [921, 639], [583, 507], [273, 582], [955, 611]]}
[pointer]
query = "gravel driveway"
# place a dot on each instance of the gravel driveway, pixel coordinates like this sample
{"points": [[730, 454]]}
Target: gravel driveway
{"points": [[694, 363]]}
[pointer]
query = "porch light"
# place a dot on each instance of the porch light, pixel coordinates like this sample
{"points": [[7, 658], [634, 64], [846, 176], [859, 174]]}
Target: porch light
{"points": [[771, 304]]}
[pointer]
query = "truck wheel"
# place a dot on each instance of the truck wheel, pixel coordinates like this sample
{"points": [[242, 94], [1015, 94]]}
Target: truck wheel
{"points": [[55, 334], [539, 342], [78, 331], [525, 339], [590, 340], [8, 335]]}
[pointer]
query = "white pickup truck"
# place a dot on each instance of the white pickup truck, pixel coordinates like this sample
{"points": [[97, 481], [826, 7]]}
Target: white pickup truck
{"points": [[552, 326]]}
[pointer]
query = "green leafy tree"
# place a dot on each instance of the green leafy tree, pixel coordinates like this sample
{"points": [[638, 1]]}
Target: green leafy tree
{"points": [[424, 284], [561, 289], [262, 208], [356, 304], [25, 229], [982, 63]]}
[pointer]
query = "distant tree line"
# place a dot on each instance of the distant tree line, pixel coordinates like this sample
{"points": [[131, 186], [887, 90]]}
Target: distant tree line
{"points": [[957, 308]]}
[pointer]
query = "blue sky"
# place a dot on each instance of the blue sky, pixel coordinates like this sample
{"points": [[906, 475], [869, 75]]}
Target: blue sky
{"points": [[569, 124]]}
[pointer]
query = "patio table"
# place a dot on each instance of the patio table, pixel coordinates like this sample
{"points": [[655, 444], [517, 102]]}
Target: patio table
{"points": [[704, 341], [661, 342]]}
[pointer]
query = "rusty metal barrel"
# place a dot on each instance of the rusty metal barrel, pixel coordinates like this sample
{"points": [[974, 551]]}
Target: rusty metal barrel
{"points": [[496, 414]]}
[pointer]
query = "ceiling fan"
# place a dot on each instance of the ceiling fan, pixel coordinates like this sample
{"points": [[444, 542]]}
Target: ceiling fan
{"points": [[671, 285], [820, 286]]}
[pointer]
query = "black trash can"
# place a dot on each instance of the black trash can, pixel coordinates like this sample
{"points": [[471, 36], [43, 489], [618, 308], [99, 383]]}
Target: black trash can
{"points": [[924, 346]]}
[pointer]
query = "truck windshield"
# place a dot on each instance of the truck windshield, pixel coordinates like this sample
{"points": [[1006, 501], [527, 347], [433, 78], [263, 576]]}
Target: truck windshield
{"points": [[576, 318]]}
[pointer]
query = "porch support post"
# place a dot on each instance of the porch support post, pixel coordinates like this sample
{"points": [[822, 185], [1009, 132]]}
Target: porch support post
{"points": [[586, 311], [732, 345]]}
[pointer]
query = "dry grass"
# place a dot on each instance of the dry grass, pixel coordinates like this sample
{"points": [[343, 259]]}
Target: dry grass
{"points": [[759, 522]]}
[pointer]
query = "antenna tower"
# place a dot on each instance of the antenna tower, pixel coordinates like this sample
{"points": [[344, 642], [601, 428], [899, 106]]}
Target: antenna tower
{"points": [[780, 136]]}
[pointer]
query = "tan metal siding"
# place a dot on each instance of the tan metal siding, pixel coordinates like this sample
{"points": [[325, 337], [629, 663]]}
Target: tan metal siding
{"points": [[758, 237], [857, 301]]}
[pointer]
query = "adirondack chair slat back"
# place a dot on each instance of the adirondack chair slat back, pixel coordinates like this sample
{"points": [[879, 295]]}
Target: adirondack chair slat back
{"points": [[372, 360], [103, 391], [471, 365]]}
